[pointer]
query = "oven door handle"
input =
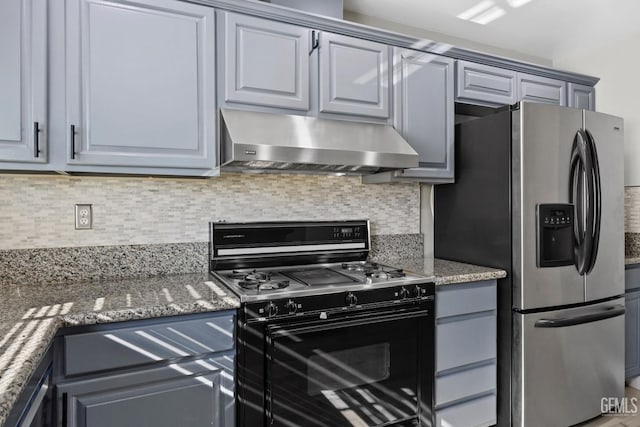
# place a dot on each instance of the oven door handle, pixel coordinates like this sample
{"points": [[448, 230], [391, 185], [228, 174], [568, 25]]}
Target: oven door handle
{"points": [[276, 331]]}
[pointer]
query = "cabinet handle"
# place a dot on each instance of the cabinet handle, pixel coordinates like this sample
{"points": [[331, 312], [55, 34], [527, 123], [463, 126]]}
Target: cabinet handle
{"points": [[73, 142], [36, 139], [65, 401], [315, 41]]}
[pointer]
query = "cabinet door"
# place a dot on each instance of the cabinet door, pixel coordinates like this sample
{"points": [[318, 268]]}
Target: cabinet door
{"points": [[425, 112], [632, 334], [483, 84], [354, 76], [266, 62], [172, 395], [581, 96], [140, 82], [542, 89], [23, 80]]}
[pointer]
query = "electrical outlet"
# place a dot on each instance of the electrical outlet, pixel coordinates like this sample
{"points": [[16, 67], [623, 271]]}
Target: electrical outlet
{"points": [[84, 217]]}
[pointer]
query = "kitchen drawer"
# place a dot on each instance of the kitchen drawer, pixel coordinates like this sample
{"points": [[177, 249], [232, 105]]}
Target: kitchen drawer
{"points": [[632, 277], [137, 345], [486, 84], [463, 341], [475, 413], [460, 385], [453, 300]]}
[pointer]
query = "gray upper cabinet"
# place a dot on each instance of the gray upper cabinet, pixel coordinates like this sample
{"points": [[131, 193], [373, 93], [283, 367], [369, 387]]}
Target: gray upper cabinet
{"points": [[581, 96], [354, 76], [484, 84], [140, 84], [265, 62], [23, 81], [542, 89], [424, 115]]}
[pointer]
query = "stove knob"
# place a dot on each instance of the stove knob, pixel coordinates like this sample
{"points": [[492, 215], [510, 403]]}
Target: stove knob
{"points": [[351, 299], [272, 309], [417, 292], [404, 293], [291, 306]]}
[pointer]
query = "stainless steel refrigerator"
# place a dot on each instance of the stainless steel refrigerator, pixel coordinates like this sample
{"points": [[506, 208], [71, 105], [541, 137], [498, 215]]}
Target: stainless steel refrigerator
{"points": [[539, 192]]}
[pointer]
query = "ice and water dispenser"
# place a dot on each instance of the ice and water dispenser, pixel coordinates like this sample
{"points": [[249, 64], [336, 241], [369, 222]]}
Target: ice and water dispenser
{"points": [[555, 235]]}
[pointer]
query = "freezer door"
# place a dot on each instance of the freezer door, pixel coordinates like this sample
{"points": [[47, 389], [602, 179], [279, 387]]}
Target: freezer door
{"points": [[565, 362], [606, 279], [541, 158]]}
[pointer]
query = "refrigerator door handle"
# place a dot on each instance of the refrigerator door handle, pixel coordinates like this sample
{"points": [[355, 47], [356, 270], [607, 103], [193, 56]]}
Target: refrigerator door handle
{"points": [[561, 322], [581, 196], [594, 176]]}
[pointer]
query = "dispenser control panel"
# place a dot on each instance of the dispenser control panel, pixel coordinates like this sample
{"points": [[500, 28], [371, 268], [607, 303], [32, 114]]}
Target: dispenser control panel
{"points": [[555, 239]]}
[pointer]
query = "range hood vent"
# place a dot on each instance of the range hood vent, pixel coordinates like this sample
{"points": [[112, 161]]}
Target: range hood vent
{"points": [[253, 141]]}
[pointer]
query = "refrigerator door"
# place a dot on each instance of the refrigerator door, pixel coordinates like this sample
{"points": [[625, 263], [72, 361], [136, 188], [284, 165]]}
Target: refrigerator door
{"points": [[606, 279], [541, 159], [565, 362]]}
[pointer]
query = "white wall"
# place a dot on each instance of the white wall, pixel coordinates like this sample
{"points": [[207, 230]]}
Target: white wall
{"points": [[617, 66]]}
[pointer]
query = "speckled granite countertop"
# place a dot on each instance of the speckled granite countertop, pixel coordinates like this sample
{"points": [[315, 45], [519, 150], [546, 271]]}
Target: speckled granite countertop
{"points": [[30, 315], [445, 272], [632, 260]]}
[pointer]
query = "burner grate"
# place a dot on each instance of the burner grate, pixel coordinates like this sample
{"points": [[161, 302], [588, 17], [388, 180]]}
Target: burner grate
{"points": [[258, 280], [373, 269]]}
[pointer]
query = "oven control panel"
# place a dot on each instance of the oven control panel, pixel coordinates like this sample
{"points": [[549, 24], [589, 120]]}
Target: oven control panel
{"points": [[351, 232], [327, 305]]}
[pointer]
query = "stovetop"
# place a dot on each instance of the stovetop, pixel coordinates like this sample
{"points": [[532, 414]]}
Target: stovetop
{"points": [[314, 279]]}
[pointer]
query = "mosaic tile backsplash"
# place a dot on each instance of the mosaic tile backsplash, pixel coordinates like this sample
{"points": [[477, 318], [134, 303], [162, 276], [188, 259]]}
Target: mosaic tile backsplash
{"points": [[38, 211]]}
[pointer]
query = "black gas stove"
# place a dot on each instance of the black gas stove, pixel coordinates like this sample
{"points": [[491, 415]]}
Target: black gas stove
{"points": [[325, 338]]}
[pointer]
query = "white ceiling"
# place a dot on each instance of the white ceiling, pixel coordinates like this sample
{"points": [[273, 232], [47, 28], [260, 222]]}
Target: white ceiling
{"points": [[548, 29]]}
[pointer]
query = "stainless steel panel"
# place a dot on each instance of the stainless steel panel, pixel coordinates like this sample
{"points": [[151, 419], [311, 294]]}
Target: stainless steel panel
{"points": [[607, 277], [253, 140], [541, 149], [561, 374]]}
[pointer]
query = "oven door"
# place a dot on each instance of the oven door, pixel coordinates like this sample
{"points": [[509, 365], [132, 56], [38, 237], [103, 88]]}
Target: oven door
{"points": [[370, 370]]}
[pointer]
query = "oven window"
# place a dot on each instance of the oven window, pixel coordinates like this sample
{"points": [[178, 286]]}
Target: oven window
{"points": [[349, 368], [356, 374]]}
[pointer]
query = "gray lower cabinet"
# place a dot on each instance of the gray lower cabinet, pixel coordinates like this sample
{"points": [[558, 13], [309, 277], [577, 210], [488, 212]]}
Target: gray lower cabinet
{"points": [[632, 321], [34, 406], [140, 84], [484, 84], [168, 372], [354, 76], [188, 394], [466, 350], [424, 115], [542, 89], [581, 96], [23, 81]]}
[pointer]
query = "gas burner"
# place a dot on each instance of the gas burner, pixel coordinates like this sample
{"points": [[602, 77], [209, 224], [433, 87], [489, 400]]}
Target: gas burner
{"points": [[387, 274], [374, 270], [258, 280], [366, 267]]}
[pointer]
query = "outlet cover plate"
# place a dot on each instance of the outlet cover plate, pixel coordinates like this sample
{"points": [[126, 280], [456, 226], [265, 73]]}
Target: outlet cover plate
{"points": [[84, 217]]}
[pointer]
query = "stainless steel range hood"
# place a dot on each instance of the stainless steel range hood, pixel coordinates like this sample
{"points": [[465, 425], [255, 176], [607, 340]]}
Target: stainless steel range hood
{"points": [[267, 142]]}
